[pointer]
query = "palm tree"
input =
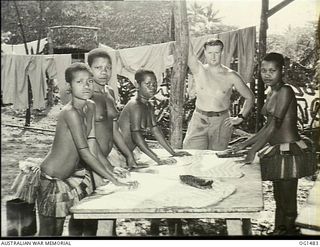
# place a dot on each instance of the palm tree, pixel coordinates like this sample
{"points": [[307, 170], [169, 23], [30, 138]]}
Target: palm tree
{"points": [[203, 19]]}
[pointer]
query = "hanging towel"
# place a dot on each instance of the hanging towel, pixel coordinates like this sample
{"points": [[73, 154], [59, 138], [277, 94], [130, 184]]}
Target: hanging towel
{"points": [[62, 61], [246, 52], [152, 57], [41, 67], [15, 70], [14, 80]]}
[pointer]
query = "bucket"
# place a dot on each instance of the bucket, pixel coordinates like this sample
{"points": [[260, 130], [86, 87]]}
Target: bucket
{"points": [[21, 218]]}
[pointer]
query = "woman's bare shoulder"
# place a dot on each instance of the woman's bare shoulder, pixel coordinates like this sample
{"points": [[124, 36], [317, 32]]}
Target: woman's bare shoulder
{"points": [[91, 104]]}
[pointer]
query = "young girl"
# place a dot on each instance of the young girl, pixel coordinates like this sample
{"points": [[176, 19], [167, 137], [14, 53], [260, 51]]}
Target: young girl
{"points": [[287, 157], [138, 115], [60, 182], [106, 123]]}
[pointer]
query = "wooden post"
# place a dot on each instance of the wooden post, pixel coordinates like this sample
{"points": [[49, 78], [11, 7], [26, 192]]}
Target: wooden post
{"points": [[172, 26], [179, 72], [261, 54], [40, 26], [28, 111]]}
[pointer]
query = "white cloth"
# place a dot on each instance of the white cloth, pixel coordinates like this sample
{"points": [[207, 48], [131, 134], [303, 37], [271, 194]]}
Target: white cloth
{"points": [[20, 49], [15, 70], [156, 57], [62, 61]]}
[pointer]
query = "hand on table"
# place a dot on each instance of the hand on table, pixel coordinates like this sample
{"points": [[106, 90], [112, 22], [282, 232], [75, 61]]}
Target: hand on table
{"points": [[237, 147], [249, 158], [181, 153], [130, 185], [121, 172], [168, 161]]}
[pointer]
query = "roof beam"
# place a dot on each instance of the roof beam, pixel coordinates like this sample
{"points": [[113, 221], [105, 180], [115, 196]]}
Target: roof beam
{"points": [[279, 6]]}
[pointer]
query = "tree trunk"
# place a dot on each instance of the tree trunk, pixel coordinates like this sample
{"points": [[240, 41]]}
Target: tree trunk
{"points": [[179, 72]]}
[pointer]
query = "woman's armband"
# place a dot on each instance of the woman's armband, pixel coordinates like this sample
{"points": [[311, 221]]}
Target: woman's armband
{"points": [[83, 148]]}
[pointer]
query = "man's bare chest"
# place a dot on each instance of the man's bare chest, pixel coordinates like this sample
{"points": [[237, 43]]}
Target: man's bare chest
{"points": [[213, 83]]}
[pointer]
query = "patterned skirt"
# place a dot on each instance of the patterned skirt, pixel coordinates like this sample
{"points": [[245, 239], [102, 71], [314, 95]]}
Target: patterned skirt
{"points": [[26, 185], [54, 197], [288, 160]]}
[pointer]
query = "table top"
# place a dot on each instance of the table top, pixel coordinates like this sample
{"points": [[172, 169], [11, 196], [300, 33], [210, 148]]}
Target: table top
{"points": [[246, 201]]}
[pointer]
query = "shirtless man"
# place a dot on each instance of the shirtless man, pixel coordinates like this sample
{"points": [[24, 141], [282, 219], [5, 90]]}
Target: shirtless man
{"points": [[211, 126]]}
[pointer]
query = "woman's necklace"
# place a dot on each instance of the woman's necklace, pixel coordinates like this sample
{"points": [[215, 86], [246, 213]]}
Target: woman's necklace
{"points": [[277, 86], [142, 99]]}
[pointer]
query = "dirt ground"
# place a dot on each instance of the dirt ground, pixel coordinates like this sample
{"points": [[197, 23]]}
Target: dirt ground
{"points": [[18, 144]]}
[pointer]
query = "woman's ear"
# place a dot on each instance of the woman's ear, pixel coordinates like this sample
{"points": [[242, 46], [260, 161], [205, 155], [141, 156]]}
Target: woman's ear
{"points": [[137, 85]]}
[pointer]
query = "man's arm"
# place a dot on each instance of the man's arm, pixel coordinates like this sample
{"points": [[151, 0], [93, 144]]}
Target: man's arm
{"points": [[245, 92], [193, 61]]}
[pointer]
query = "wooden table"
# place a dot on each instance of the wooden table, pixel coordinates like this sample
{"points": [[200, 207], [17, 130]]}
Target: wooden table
{"points": [[237, 209]]}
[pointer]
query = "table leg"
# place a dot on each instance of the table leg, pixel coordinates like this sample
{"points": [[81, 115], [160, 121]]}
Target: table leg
{"points": [[106, 228], [236, 227]]}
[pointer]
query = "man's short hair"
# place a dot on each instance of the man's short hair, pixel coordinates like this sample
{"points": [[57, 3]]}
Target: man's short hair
{"points": [[74, 67], [275, 57], [98, 52], [213, 42], [141, 73]]}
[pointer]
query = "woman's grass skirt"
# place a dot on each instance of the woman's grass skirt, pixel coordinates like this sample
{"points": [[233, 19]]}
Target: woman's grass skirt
{"points": [[288, 160]]}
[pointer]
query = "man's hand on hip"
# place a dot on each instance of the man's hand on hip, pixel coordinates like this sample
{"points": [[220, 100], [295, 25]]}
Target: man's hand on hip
{"points": [[231, 121]]}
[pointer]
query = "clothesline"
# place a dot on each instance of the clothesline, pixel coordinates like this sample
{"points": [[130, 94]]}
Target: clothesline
{"points": [[125, 62]]}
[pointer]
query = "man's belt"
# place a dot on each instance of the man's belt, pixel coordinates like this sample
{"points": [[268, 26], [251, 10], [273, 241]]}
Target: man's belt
{"points": [[211, 113]]}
